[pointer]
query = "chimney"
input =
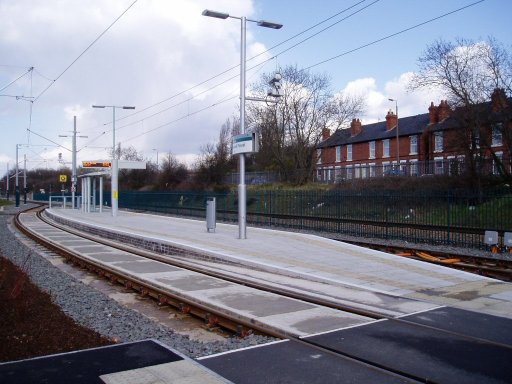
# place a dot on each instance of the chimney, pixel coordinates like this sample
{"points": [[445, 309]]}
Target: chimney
{"points": [[444, 110], [326, 133], [355, 127], [498, 100], [391, 120], [433, 113]]}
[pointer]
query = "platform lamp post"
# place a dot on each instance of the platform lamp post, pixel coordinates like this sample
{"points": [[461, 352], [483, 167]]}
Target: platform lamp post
{"points": [[115, 165], [397, 139], [242, 196]]}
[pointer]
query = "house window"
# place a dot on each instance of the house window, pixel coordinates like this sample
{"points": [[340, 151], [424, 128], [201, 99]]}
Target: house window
{"points": [[357, 171], [497, 135], [414, 145], [385, 148], [349, 152], [438, 142], [371, 145], [364, 171], [349, 172], [337, 174], [414, 167], [438, 165], [495, 169], [372, 169], [386, 167], [338, 154], [319, 156]]}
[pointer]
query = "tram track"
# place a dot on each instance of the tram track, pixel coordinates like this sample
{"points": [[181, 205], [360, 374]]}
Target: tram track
{"points": [[211, 317], [498, 268]]}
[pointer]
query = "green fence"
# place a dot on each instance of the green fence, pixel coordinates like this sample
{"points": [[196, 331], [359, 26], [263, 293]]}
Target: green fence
{"points": [[455, 219]]}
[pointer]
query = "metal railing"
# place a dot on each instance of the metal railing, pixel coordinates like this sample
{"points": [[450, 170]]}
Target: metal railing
{"points": [[459, 218]]}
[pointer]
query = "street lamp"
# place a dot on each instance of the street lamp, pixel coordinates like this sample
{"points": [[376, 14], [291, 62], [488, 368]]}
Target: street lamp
{"points": [[397, 139], [242, 196], [115, 165]]}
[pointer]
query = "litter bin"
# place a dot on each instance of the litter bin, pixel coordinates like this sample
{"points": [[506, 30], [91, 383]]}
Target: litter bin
{"points": [[210, 214]]}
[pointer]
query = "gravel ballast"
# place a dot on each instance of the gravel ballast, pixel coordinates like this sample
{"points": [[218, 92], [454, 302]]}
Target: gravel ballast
{"points": [[94, 309]]}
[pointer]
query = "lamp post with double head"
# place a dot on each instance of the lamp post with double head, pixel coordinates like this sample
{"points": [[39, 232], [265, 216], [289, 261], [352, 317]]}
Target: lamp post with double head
{"points": [[242, 196], [115, 165]]}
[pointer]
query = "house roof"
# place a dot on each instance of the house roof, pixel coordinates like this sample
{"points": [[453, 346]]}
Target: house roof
{"points": [[411, 125], [407, 126]]}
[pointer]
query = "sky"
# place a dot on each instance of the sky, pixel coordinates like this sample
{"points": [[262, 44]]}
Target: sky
{"points": [[180, 70]]}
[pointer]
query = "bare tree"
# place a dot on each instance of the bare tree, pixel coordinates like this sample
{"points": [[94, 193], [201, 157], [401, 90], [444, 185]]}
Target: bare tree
{"points": [[172, 172], [468, 73], [215, 160], [291, 129]]}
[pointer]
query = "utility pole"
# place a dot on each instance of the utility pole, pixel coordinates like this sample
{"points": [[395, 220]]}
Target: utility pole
{"points": [[7, 192], [73, 163], [25, 179]]}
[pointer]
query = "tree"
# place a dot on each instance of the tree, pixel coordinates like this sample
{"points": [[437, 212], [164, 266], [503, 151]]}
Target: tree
{"points": [[172, 172], [468, 73], [291, 129], [215, 160]]}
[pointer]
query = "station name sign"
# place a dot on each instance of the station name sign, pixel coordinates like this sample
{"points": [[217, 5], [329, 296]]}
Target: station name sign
{"points": [[245, 143], [97, 164]]}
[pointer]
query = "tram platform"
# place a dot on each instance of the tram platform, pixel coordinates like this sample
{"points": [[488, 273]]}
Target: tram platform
{"points": [[357, 270]]}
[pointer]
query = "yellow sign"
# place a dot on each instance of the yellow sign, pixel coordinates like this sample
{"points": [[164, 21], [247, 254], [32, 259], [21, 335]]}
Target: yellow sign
{"points": [[115, 195], [63, 178]]}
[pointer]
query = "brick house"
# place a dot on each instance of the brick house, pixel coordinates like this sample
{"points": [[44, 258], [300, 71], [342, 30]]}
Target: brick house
{"points": [[429, 143]]}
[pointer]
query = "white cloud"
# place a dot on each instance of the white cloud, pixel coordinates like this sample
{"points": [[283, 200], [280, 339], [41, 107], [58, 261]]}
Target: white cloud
{"points": [[377, 100], [156, 50]]}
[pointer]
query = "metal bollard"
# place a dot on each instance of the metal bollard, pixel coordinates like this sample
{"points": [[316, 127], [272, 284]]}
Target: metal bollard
{"points": [[210, 214]]}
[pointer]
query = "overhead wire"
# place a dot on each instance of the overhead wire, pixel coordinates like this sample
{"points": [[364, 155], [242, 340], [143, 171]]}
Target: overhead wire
{"points": [[86, 49], [248, 60], [237, 75], [393, 34], [337, 56]]}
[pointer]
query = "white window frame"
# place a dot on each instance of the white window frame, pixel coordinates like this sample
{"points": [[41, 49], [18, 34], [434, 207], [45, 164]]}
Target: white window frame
{"points": [[371, 149], [338, 153], [414, 170], [494, 167], [439, 170], [349, 152], [497, 132], [350, 173], [319, 156], [385, 148], [413, 146], [438, 142], [372, 170]]}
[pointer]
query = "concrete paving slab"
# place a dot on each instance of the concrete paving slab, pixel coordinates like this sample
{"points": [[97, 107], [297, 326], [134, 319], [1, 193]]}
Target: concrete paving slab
{"points": [[296, 255]]}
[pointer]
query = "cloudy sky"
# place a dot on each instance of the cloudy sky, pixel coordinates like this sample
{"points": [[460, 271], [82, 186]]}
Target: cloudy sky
{"points": [[179, 69]]}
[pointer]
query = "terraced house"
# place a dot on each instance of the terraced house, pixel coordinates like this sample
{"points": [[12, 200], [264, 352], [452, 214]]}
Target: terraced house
{"points": [[441, 142]]}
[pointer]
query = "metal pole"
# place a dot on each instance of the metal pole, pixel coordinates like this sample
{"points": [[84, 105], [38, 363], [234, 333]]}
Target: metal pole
{"points": [[397, 138], [242, 205], [7, 177], [17, 190], [115, 169], [25, 179], [73, 166], [115, 182], [101, 194]]}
